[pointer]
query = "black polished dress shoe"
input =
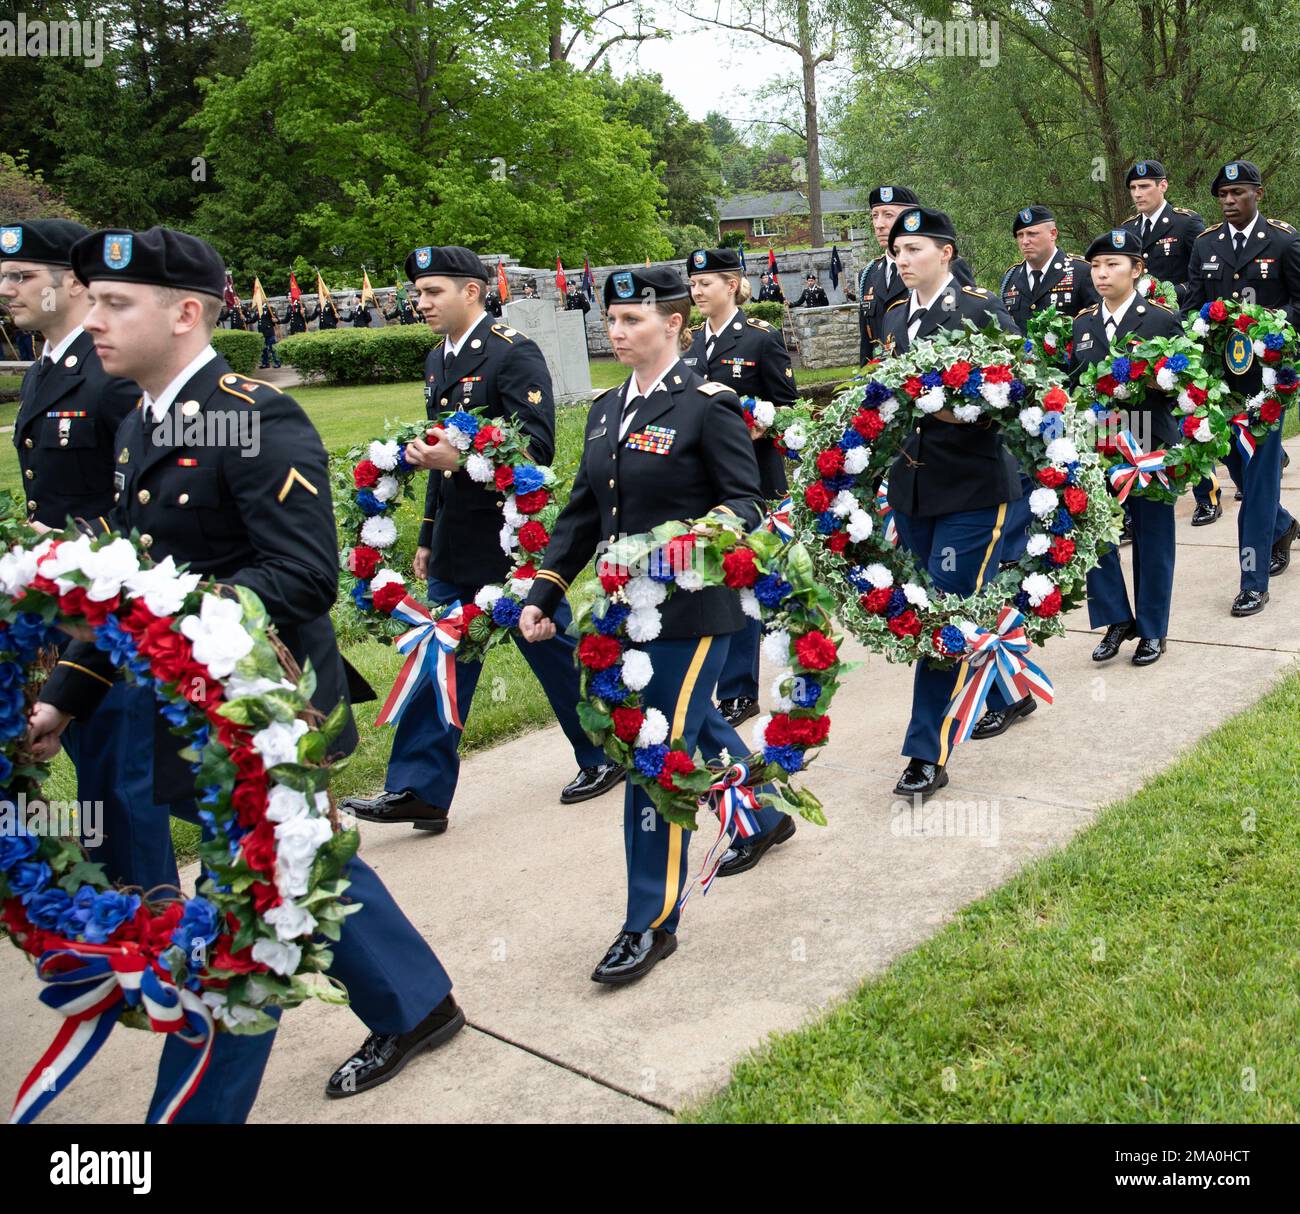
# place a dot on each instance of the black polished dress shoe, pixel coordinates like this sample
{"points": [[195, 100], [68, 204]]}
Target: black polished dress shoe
{"points": [[398, 807], [739, 709], [633, 955], [999, 720], [920, 779], [1205, 514], [1249, 602], [591, 782], [1281, 556], [382, 1055], [1238, 496], [748, 852], [1116, 635], [1149, 651]]}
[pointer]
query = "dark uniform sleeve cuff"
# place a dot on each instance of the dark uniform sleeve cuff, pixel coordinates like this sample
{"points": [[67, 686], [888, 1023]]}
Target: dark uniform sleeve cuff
{"points": [[75, 689], [546, 592]]}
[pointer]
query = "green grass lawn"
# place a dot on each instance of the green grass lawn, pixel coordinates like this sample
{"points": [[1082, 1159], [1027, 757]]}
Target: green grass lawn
{"points": [[1145, 973]]}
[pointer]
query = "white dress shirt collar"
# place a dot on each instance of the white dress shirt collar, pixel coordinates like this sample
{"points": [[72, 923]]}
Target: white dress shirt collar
{"points": [[1246, 231], [1119, 313], [56, 354], [453, 348], [712, 334], [158, 407]]}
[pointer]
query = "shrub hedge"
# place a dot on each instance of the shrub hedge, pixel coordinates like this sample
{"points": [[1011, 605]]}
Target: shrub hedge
{"points": [[242, 350], [394, 354]]}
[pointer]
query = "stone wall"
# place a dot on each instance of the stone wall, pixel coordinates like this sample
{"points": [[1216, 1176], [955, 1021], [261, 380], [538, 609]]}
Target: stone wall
{"points": [[827, 337]]}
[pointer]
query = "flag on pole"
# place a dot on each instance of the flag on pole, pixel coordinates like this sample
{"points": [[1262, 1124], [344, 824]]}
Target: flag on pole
{"points": [[588, 280], [744, 267], [323, 295], [503, 285], [771, 260], [228, 295], [259, 296], [367, 291], [837, 266], [295, 291], [561, 283]]}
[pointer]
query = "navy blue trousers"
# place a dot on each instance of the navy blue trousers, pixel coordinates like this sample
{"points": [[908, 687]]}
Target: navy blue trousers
{"points": [[740, 671], [1262, 518], [960, 552], [425, 759], [1153, 574]]}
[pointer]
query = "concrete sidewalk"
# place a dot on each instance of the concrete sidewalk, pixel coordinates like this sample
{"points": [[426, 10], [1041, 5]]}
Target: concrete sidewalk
{"points": [[522, 896]]}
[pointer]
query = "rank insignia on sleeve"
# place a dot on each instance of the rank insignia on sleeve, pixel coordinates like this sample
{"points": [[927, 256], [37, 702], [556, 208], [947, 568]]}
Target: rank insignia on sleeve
{"points": [[654, 439], [295, 478]]}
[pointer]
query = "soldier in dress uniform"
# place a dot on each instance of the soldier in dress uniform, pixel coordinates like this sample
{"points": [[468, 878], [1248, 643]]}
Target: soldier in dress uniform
{"points": [[770, 289], [951, 484], [263, 521], [750, 357], [68, 414], [267, 325], [493, 304], [1123, 319], [1250, 257], [297, 317], [1167, 233], [814, 296], [236, 317], [500, 370], [702, 460], [326, 313]]}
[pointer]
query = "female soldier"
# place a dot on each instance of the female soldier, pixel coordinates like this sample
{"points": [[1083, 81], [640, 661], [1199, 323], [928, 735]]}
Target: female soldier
{"points": [[750, 357], [952, 481], [665, 445]]}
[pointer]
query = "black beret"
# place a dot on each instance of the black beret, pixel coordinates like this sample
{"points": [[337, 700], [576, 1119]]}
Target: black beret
{"points": [[1027, 217], [48, 241], [1237, 172], [658, 283], [446, 261], [712, 261], [893, 195], [921, 221], [1146, 170], [162, 257], [1116, 241]]}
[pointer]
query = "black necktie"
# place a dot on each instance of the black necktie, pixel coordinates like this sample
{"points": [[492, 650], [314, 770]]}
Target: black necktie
{"points": [[914, 321], [1146, 229], [1238, 242], [628, 409], [1034, 276], [1110, 328]]}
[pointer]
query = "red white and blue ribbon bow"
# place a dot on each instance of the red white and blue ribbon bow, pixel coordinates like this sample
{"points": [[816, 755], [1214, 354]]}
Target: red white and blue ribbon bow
{"points": [[441, 636], [779, 520], [1245, 439], [88, 984], [734, 802], [997, 657], [1139, 470], [886, 512]]}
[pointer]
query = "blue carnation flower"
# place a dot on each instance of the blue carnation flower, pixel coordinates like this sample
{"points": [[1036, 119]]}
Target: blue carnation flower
{"points": [[608, 685], [16, 848], [851, 439], [1062, 523], [1022, 601], [771, 589], [1072, 472], [361, 596], [952, 639], [369, 503], [876, 394], [1205, 311], [932, 379], [788, 757], [1121, 368], [1053, 426], [858, 579], [1286, 376], [528, 479], [1017, 391], [609, 623], [897, 604], [649, 760], [110, 910], [806, 692], [835, 483], [828, 522], [1274, 341], [463, 421], [402, 465], [506, 611], [1177, 362]]}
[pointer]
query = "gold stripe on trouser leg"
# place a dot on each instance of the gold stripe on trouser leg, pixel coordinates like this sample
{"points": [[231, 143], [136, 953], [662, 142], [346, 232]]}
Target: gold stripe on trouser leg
{"points": [[945, 730], [1214, 488], [672, 880]]}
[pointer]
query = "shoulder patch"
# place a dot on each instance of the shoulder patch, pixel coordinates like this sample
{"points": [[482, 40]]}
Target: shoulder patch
{"points": [[1185, 210], [1281, 223], [757, 321], [1131, 218], [1214, 227], [901, 300], [505, 332], [978, 292], [709, 388]]}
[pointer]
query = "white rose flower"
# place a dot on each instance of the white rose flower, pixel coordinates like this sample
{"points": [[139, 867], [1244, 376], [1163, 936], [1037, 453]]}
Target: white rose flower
{"points": [[879, 577], [1031, 419], [162, 588], [509, 538], [487, 596], [17, 569], [1062, 451], [237, 686], [750, 605], [916, 595], [860, 526], [856, 460], [108, 568], [277, 955], [218, 638], [480, 468], [290, 921], [283, 804], [643, 625], [379, 532], [931, 401], [967, 413], [383, 455], [642, 592], [690, 579], [1038, 544], [637, 669], [1037, 586], [227, 1013], [386, 488], [795, 437], [843, 504], [654, 729], [776, 646], [296, 844], [278, 742], [1042, 502]]}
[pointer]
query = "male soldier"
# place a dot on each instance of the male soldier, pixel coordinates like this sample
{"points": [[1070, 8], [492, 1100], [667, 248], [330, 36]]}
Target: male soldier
{"points": [[1248, 257], [297, 317], [267, 324], [68, 415], [498, 369], [813, 295], [770, 289], [1167, 233], [326, 313], [264, 521]]}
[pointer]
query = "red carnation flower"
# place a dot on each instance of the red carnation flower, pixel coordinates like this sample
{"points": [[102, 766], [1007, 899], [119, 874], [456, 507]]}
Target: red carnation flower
{"points": [[905, 624], [1198, 396], [738, 569], [363, 561], [998, 373], [818, 498], [1218, 312], [487, 436], [1106, 385], [1055, 401], [469, 613], [676, 762], [531, 503], [1137, 368], [505, 477], [815, 650], [678, 554], [389, 595], [876, 601], [777, 732], [533, 537], [1061, 552], [956, 375], [838, 541], [1189, 426], [365, 475], [1159, 365], [913, 386], [1270, 410], [1076, 500], [808, 731], [1053, 478], [612, 578], [627, 723], [597, 652], [1272, 356], [1050, 605], [1242, 323], [831, 462], [869, 424]]}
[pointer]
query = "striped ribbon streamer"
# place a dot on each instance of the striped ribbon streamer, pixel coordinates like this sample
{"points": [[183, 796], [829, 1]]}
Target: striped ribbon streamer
{"points": [[997, 656], [88, 984], [779, 520], [886, 512], [1140, 469], [440, 637], [734, 802], [1245, 439]]}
